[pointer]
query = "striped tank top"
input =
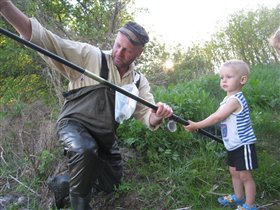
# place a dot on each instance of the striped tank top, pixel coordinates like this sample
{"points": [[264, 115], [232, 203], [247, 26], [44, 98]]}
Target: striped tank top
{"points": [[237, 129]]}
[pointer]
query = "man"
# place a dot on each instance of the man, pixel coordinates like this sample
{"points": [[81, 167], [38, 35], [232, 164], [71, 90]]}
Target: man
{"points": [[86, 124]]}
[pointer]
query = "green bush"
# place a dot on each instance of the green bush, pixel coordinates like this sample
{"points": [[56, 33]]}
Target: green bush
{"points": [[263, 88]]}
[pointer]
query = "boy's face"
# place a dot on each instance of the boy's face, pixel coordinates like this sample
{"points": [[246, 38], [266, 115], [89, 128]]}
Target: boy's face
{"points": [[231, 80]]}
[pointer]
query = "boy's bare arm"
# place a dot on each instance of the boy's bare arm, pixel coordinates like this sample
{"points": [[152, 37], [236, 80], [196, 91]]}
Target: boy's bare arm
{"points": [[222, 113]]}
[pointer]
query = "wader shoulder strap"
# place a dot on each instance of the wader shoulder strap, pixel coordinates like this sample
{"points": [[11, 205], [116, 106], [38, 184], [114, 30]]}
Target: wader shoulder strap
{"points": [[137, 82], [104, 72]]}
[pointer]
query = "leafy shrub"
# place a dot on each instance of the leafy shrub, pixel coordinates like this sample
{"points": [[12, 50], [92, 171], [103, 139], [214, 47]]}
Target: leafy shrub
{"points": [[27, 88], [263, 87], [190, 100]]}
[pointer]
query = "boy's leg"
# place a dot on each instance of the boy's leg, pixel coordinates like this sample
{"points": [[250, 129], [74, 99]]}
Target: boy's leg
{"points": [[246, 160], [238, 197], [241, 161], [250, 187], [236, 183]]}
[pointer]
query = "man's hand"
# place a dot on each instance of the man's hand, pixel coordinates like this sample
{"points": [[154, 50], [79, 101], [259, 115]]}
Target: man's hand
{"points": [[163, 111]]}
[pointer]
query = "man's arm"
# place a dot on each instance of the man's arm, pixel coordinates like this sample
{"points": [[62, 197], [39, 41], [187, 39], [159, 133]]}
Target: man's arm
{"points": [[16, 18]]}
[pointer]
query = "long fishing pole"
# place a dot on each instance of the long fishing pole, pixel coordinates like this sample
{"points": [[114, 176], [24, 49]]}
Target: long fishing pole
{"points": [[99, 79]]}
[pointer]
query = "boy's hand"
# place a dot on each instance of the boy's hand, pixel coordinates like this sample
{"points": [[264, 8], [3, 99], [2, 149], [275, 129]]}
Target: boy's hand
{"points": [[191, 127]]}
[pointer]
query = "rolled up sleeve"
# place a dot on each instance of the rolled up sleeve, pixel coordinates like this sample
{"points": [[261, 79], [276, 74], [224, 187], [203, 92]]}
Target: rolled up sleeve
{"points": [[143, 112], [73, 51]]}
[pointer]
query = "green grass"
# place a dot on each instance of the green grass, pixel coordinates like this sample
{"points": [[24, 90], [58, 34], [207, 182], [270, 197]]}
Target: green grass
{"points": [[167, 170], [196, 180]]}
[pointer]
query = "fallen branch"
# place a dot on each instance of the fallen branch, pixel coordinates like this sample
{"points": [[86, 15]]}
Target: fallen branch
{"points": [[24, 185], [214, 193], [269, 204], [184, 208], [2, 156]]}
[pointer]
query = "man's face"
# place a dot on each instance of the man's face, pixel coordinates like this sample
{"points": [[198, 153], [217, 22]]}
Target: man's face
{"points": [[124, 52]]}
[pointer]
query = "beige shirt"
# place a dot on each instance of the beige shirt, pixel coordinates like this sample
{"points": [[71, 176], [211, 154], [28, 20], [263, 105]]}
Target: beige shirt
{"points": [[88, 57]]}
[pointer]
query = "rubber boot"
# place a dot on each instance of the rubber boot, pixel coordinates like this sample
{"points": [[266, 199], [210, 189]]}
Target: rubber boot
{"points": [[59, 185], [80, 203]]}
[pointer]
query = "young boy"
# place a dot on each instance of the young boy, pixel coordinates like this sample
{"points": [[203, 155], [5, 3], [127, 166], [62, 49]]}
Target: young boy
{"points": [[238, 135]]}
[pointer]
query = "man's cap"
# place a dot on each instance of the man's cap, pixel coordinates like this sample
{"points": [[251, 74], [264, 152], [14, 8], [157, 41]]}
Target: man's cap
{"points": [[135, 33]]}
